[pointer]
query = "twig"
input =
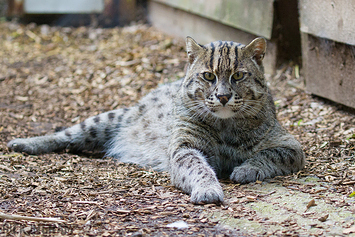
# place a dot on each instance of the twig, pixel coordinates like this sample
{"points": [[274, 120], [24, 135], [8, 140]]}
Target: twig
{"points": [[267, 194], [28, 218], [3, 167], [87, 202], [33, 36]]}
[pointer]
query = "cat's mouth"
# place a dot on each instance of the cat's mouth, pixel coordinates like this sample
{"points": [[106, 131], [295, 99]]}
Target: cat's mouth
{"points": [[223, 112]]}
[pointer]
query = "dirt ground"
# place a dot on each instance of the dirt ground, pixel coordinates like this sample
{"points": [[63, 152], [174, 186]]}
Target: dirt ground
{"points": [[53, 77]]}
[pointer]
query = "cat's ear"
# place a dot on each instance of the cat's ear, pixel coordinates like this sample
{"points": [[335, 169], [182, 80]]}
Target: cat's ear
{"points": [[256, 49], [193, 49]]}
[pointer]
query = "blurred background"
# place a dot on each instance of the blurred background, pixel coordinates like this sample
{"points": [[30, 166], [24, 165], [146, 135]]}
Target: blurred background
{"points": [[104, 13], [316, 37]]}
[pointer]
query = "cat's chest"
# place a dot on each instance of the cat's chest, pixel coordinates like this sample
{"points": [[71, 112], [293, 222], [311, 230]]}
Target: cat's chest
{"points": [[236, 142], [232, 150]]}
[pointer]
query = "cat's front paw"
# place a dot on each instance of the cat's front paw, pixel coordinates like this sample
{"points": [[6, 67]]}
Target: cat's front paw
{"points": [[247, 174], [21, 145], [212, 194]]}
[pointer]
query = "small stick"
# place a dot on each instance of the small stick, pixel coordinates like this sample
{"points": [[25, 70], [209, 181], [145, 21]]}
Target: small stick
{"points": [[267, 194], [28, 218], [87, 202]]}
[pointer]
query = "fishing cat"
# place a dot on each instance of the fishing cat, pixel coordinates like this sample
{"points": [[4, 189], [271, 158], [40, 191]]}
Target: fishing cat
{"points": [[219, 121]]}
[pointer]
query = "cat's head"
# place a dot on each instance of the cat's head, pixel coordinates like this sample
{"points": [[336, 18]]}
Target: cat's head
{"points": [[225, 79]]}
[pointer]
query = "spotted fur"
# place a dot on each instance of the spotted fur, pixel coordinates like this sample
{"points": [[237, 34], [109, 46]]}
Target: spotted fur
{"points": [[217, 122]]}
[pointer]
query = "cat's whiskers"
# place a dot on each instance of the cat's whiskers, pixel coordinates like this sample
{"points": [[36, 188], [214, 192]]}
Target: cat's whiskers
{"points": [[250, 110], [198, 110]]}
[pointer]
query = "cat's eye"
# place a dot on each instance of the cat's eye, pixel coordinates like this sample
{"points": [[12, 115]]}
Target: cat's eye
{"points": [[209, 76], [238, 76]]}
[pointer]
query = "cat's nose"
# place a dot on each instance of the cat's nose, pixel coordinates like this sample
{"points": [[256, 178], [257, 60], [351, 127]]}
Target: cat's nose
{"points": [[224, 98]]}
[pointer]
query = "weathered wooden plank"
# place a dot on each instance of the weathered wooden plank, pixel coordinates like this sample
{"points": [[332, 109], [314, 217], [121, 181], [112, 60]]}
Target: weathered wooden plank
{"points": [[328, 68], [253, 16], [63, 6], [332, 19]]}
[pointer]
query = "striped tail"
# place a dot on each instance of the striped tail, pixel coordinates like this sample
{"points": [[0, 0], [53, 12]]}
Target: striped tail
{"points": [[91, 134]]}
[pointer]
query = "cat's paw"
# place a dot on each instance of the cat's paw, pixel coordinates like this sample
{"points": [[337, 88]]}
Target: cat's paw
{"points": [[21, 145], [247, 174], [212, 194]]}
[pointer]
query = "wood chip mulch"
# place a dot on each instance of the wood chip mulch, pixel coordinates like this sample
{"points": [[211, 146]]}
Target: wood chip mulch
{"points": [[53, 77]]}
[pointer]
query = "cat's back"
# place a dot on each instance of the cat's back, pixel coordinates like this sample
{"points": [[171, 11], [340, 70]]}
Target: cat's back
{"points": [[143, 133]]}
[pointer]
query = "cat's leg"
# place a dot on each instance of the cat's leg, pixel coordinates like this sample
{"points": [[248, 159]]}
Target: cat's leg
{"points": [[269, 163], [191, 173], [91, 134]]}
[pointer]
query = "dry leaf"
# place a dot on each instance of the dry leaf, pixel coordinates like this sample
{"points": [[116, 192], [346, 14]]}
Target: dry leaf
{"points": [[311, 203], [251, 198], [106, 234], [324, 218]]}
